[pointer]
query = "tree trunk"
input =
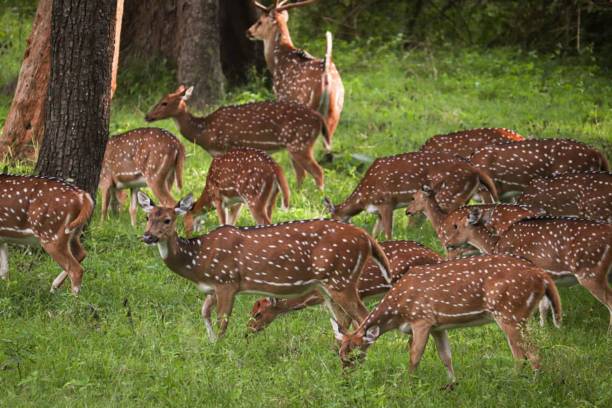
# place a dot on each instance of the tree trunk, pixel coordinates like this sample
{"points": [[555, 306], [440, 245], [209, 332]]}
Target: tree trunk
{"points": [[117, 46], [24, 126], [199, 60], [78, 101]]}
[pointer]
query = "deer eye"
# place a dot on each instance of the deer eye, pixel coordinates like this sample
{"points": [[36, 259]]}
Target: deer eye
{"points": [[454, 226], [167, 221], [146, 217], [164, 104]]}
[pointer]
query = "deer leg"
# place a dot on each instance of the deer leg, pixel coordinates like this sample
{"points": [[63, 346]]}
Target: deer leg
{"points": [[133, 205], [105, 192], [420, 334], [348, 299], [308, 162], [543, 308], [377, 229], [160, 189], [600, 289], [59, 250], [4, 266], [232, 213], [386, 218], [271, 201], [220, 212], [519, 347], [225, 303], [444, 351], [207, 306], [300, 173], [340, 316], [76, 247]]}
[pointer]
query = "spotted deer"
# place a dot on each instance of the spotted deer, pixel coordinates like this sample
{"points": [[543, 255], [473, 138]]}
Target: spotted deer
{"points": [[47, 212], [583, 195], [144, 157], [402, 256], [466, 142], [391, 181], [243, 175], [432, 299], [280, 260], [296, 75], [268, 126], [512, 166], [568, 249]]}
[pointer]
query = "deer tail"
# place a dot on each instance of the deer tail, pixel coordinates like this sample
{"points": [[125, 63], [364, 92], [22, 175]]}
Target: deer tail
{"points": [[86, 210], [552, 294], [380, 259], [487, 180], [180, 163], [282, 183]]}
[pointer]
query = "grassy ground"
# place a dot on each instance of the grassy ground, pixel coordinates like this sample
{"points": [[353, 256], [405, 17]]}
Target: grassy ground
{"points": [[134, 336]]}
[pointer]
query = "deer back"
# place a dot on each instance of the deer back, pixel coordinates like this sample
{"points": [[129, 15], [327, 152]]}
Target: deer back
{"points": [[466, 142]]}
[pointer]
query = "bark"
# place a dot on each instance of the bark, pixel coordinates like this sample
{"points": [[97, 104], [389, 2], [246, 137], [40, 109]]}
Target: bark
{"points": [[117, 46], [24, 124], [77, 106], [199, 60]]}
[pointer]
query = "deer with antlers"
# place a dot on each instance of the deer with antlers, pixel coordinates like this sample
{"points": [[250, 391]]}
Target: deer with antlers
{"points": [[144, 157], [570, 250], [466, 142], [512, 166], [432, 299], [47, 212], [583, 195], [280, 260], [268, 126], [391, 181], [296, 75], [243, 175], [402, 256]]}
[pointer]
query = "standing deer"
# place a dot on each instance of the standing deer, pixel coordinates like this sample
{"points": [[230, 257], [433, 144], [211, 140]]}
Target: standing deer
{"points": [[432, 299], [47, 212], [243, 175], [391, 181], [269, 126], [568, 249], [512, 166], [466, 142], [402, 256], [584, 195], [145, 157], [296, 75], [282, 260]]}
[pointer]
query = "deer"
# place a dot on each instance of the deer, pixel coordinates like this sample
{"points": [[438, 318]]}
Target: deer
{"points": [[296, 75], [402, 255], [143, 157], [432, 299], [582, 195], [571, 250], [512, 166], [465, 142], [269, 126], [46, 212], [280, 260], [242, 175], [390, 182]]}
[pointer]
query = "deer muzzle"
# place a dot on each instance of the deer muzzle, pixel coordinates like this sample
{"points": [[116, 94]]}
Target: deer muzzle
{"points": [[150, 239]]}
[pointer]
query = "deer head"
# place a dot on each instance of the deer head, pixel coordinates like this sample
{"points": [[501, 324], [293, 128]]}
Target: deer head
{"points": [[353, 346], [457, 229], [267, 25], [262, 314], [170, 105], [161, 221], [419, 201]]}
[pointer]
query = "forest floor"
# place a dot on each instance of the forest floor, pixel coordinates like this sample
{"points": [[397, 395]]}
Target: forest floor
{"points": [[134, 336]]}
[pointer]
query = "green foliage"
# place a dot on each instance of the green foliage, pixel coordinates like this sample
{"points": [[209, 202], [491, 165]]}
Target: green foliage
{"points": [[134, 336]]}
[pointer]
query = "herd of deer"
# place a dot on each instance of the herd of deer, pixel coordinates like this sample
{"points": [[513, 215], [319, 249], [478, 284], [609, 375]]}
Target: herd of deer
{"points": [[557, 229]]}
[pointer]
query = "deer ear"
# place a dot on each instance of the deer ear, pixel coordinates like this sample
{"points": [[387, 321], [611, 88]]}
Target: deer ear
{"points": [[329, 206], [184, 205], [188, 93], [272, 301], [180, 89], [474, 216], [427, 190], [371, 334], [338, 331], [145, 202]]}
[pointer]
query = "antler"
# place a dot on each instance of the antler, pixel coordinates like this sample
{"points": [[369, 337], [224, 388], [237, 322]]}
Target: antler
{"points": [[261, 6], [282, 6]]}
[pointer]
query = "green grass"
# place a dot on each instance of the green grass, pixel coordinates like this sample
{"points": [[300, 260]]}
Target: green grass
{"points": [[134, 336]]}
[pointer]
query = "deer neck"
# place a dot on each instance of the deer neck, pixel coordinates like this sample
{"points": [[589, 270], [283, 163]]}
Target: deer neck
{"points": [[482, 239], [348, 209], [190, 126], [175, 251], [378, 317], [434, 213], [277, 46]]}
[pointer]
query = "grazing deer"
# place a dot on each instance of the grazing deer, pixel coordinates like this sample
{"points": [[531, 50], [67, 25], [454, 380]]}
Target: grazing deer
{"points": [[512, 166], [391, 181], [243, 175], [432, 299], [583, 195], [568, 249], [296, 75], [47, 212], [282, 260], [402, 256], [145, 157], [268, 126], [466, 142]]}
